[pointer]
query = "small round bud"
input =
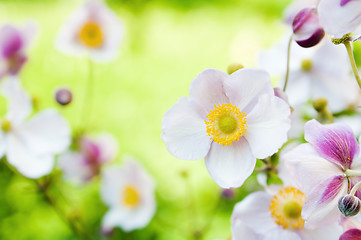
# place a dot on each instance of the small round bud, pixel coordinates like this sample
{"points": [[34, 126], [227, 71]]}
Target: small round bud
{"points": [[349, 205], [227, 193], [63, 96], [234, 67], [320, 104], [307, 29]]}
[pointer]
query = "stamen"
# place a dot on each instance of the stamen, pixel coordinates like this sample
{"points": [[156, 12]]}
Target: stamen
{"points": [[226, 124], [130, 196], [91, 35]]}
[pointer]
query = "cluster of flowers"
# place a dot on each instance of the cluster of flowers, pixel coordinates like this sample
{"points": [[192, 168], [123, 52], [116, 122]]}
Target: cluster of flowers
{"points": [[31, 145], [232, 120]]}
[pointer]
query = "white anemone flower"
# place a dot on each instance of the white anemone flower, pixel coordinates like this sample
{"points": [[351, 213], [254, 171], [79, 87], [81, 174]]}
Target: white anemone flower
{"points": [[129, 192], [321, 71], [93, 30], [228, 120], [30, 145]]}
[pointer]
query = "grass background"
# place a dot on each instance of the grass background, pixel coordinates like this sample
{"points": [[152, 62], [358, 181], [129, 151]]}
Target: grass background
{"points": [[167, 44]]}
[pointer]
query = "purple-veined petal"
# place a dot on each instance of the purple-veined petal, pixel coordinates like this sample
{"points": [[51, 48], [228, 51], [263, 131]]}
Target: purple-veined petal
{"points": [[267, 126], [352, 234], [254, 212], [206, 90], [308, 168], [184, 131], [320, 207], [230, 166], [46, 133], [335, 142], [11, 41], [245, 86]]}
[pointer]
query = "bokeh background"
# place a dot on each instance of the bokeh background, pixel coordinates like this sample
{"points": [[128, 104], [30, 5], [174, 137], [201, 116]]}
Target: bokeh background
{"points": [[167, 43]]}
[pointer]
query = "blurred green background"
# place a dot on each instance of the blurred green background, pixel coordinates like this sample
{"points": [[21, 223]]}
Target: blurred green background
{"points": [[168, 42]]}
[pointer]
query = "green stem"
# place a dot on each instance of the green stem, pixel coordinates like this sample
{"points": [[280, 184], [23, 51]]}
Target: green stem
{"points": [[88, 97], [288, 62], [353, 63], [354, 189], [352, 173]]}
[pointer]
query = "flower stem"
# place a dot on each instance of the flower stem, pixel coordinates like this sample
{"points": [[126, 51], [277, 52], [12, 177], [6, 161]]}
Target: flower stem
{"points": [[288, 62], [353, 63], [354, 189], [88, 97]]}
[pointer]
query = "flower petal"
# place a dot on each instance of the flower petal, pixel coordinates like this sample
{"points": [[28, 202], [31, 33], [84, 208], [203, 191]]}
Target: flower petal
{"points": [[47, 132], [352, 234], [268, 124], [329, 232], [25, 161], [19, 102], [308, 168], [245, 86], [280, 233], [184, 131], [320, 207], [254, 212], [72, 164], [335, 142], [240, 231], [206, 90], [339, 19], [230, 166]]}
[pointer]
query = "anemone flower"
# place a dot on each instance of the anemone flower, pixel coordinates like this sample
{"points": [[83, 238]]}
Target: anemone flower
{"points": [[325, 169], [228, 120], [92, 30], [30, 145], [129, 192]]}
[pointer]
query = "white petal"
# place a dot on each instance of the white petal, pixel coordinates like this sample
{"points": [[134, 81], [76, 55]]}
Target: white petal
{"points": [[108, 146], [47, 132], [268, 124], [184, 131], [74, 168], [241, 232], [245, 86], [308, 168], [281, 234], [25, 161], [114, 217], [113, 178], [206, 90], [19, 102], [254, 212], [329, 232], [3, 144], [230, 166]]}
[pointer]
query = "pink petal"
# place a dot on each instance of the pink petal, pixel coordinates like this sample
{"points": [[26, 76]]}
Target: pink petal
{"points": [[352, 234], [335, 142]]}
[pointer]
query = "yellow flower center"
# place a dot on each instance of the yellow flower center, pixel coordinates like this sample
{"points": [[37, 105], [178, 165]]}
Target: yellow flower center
{"points": [[226, 124], [306, 65], [5, 125], [91, 35], [286, 208], [131, 196]]}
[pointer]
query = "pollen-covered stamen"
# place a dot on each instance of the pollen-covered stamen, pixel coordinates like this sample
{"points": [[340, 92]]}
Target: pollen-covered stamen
{"points": [[286, 208], [130, 197], [226, 124], [306, 65], [91, 34]]}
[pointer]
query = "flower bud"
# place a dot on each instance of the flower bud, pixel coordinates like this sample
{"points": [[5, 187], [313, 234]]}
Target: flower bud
{"points": [[234, 67], [349, 205], [320, 104], [227, 193], [63, 96], [307, 29]]}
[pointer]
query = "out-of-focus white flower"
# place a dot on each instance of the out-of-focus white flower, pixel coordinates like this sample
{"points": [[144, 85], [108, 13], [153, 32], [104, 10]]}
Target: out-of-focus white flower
{"points": [[93, 153], [296, 6], [339, 17], [230, 120], [92, 30], [129, 192], [30, 145], [321, 71], [13, 44]]}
